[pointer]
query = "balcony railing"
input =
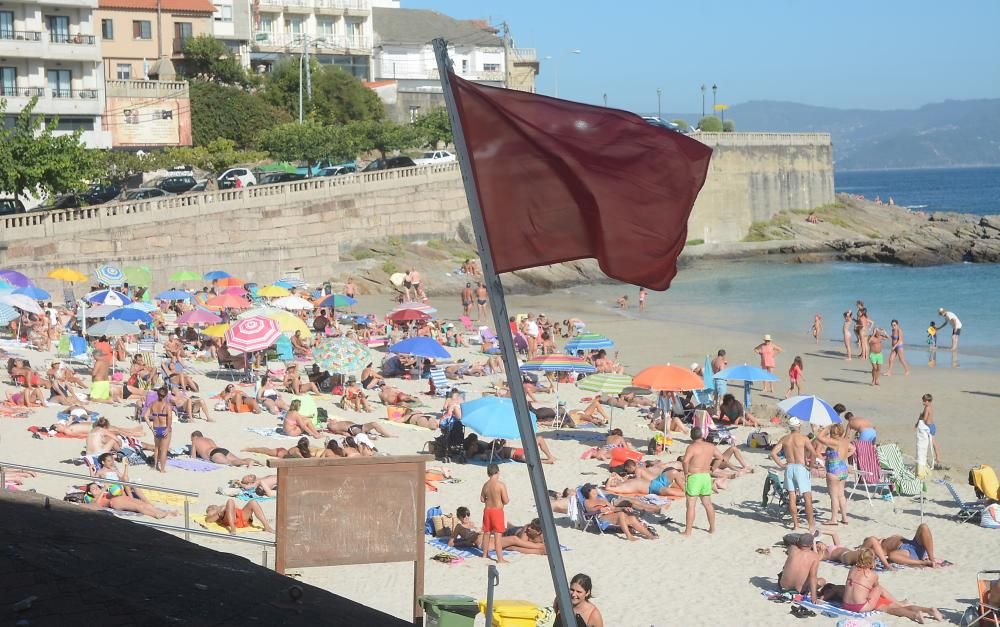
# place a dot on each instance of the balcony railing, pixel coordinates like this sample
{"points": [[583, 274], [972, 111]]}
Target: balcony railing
{"points": [[64, 94], [64, 38], [281, 40], [21, 92], [318, 4], [20, 35]]}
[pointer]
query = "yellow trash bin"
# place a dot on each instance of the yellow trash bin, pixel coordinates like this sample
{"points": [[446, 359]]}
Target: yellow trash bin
{"points": [[512, 613]]}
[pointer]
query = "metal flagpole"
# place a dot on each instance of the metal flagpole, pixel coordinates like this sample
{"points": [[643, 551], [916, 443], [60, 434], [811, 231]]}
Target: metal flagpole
{"points": [[495, 289]]}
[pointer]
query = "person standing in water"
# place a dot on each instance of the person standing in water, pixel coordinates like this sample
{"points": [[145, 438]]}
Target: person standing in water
{"points": [[642, 299], [848, 322], [875, 353], [817, 327], [956, 326], [897, 350]]}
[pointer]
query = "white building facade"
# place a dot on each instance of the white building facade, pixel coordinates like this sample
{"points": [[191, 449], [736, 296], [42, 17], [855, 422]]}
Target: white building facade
{"points": [[50, 50]]}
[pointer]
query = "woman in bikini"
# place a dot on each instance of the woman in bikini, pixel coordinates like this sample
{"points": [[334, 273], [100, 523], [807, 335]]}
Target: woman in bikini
{"points": [[299, 346], [862, 593], [233, 518], [838, 450], [296, 424], [301, 450], [295, 385], [896, 351], [848, 323], [355, 398], [269, 397], [580, 592], [159, 417], [358, 446], [98, 498], [346, 427], [428, 421], [234, 398], [622, 515], [107, 469]]}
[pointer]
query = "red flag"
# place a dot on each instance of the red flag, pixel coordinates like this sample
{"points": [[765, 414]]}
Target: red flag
{"points": [[560, 180]]}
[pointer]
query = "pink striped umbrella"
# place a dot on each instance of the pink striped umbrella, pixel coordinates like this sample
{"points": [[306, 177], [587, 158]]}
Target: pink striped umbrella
{"points": [[252, 334], [198, 316]]}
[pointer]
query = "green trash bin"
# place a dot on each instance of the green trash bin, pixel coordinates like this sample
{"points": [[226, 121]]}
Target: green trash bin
{"points": [[449, 610]]}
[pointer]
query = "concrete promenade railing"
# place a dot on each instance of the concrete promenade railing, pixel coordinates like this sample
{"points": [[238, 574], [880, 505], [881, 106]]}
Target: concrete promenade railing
{"points": [[763, 139], [188, 207]]}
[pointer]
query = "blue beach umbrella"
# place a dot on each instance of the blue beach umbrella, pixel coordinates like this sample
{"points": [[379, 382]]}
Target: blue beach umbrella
{"points": [[7, 314], [110, 275], [130, 315], [746, 374], [142, 306], [812, 409], [108, 297], [420, 347], [31, 291], [493, 417], [217, 274], [588, 342], [337, 300], [15, 278], [173, 295]]}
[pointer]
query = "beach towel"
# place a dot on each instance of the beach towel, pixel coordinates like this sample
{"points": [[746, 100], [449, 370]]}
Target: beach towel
{"points": [[250, 495], [194, 465], [44, 432], [66, 416], [15, 411], [821, 607], [882, 569], [442, 545], [217, 528], [166, 498]]}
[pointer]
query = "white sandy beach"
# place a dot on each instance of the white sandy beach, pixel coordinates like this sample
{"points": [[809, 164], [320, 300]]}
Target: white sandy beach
{"points": [[707, 579]]}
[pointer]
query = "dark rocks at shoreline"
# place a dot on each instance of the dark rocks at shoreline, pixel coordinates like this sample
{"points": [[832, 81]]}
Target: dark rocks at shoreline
{"points": [[938, 240]]}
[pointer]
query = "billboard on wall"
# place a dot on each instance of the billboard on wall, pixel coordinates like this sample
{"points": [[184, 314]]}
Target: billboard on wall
{"points": [[148, 121]]}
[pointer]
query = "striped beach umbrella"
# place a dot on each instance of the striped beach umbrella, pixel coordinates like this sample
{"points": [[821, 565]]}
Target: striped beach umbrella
{"points": [[291, 281], [588, 342], [7, 314], [22, 302], [558, 363], [107, 297], [252, 334], [336, 300], [110, 275], [812, 409], [342, 355], [605, 383], [15, 278]]}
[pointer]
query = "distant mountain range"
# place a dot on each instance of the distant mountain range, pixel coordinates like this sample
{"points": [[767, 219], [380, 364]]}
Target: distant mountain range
{"points": [[946, 134]]}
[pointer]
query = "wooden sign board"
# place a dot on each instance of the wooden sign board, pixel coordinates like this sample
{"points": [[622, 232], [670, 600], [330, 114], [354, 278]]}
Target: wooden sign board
{"points": [[335, 511]]}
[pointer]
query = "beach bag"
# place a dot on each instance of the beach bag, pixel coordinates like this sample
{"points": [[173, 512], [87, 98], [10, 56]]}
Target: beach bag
{"points": [[443, 525], [429, 524], [759, 439]]}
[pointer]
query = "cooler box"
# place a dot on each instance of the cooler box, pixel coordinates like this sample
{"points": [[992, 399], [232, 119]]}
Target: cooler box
{"points": [[513, 613], [450, 610]]}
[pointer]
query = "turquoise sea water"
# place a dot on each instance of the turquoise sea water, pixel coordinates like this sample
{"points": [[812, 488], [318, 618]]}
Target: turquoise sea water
{"points": [[768, 297]]}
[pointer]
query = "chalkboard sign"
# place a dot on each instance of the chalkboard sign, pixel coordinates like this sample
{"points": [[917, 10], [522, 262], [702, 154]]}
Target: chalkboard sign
{"points": [[336, 511]]}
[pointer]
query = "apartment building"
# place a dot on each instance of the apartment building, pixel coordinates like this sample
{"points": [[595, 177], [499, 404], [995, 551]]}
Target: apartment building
{"points": [[134, 35], [231, 25], [49, 50], [337, 32]]}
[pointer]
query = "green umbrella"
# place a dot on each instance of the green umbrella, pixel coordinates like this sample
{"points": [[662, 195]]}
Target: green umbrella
{"points": [[185, 275], [138, 276], [606, 383], [341, 354]]}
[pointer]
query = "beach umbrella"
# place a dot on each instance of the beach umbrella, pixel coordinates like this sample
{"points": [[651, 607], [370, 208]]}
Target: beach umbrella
{"points": [[22, 302], [558, 363], [227, 301], [427, 309], [292, 303], [420, 347], [273, 291], [408, 315], [216, 274], [230, 281], [236, 290], [113, 328], [812, 409], [185, 275], [15, 278], [336, 300], [746, 374], [291, 281], [130, 315], [173, 295], [287, 286], [667, 378], [606, 383], [341, 354], [141, 306], [493, 417], [289, 323], [198, 316], [101, 311], [67, 274], [588, 342], [7, 314], [4, 285], [252, 334], [34, 293], [107, 297], [216, 330], [138, 275], [110, 275], [259, 310]]}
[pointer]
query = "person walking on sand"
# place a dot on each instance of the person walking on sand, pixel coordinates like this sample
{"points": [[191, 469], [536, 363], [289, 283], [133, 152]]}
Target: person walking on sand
{"points": [[956, 326], [467, 299], [896, 351], [481, 297], [838, 450], [875, 353], [160, 418], [927, 415], [798, 453], [697, 465], [848, 322], [642, 299], [767, 350], [795, 377], [817, 327], [494, 497]]}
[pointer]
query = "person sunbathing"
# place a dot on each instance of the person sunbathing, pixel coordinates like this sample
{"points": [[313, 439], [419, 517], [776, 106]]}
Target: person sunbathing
{"points": [[359, 446], [235, 398], [207, 449], [16, 477], [294, 384], [863, 593], [295, 424], [347, 427], [726, 464], [674, 423], [594, 414], [503, 391], [175, 372], [616, 439], [58, 372], [355, 398], [465, 535], [918, 551], [421, 419], [301, 450], [185, 404], [97, 497], [232, 517], [299, 345], [333, 449], [452, 405], [604, 364], [498, 449], [391, 396], [107, 469], [102, 437], [621, 515], [669, 483], [261, 486], [27, 397], [269, 398], [834, 551]]}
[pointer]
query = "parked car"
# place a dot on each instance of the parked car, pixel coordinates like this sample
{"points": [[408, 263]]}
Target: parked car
{"points": [[435, 156], [337, 170], [65, 201], [144, 193], [175, 183], [10, 206], [670, 126], [271, 178], [389, 164], [227, 179], [324, 164], [100, 194]]}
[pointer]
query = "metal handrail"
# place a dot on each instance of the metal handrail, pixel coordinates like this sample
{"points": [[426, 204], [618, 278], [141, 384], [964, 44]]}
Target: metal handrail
{"points": [[72, 475], [211, 534]]}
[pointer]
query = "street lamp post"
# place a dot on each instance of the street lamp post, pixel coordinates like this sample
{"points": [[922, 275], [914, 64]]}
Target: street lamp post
{"points": [[605, 99], [703, 100], [556, 66], [659, 115], [715, 88]]}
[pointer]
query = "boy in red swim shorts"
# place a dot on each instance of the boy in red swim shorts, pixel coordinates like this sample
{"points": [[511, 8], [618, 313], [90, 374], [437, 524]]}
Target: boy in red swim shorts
{"points": [[494, 497]]}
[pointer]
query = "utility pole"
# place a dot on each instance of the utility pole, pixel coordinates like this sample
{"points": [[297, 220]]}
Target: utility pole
{"points": [[507, 61], [659, 115], [306, 85], [605, 99], [703, 100], [159, 31]]}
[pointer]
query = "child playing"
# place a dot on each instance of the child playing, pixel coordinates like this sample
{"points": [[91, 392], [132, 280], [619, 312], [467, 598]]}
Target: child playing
{"points": [[795, 377], [817, 327], [932, 335], [494, 497]]}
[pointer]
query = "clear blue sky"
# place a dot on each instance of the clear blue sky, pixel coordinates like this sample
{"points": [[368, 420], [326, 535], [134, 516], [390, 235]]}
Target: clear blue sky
{"points": [[867, 54]]}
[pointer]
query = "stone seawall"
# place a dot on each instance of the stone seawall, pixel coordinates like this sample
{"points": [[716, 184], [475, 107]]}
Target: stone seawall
{"points": [[261, 232]]}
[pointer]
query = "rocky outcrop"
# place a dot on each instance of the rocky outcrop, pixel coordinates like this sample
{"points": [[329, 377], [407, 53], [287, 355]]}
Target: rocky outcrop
{"points": [[936, 241]]}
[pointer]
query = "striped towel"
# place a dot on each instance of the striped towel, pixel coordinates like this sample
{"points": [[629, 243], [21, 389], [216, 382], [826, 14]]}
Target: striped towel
{"points": [[822, 607], [442, 544], [194, 465]]}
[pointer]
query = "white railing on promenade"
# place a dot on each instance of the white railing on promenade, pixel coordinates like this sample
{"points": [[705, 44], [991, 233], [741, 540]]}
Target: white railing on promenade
{"points": [[763, 139]]}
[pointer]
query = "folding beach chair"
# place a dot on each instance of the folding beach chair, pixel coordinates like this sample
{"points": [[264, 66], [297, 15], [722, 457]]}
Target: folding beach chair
{"points": [[439, 382], [983, 613], [903, 480], [869, 474], [79, 351], [284, 348], [774, 490], [585, 519], [967, 510]]}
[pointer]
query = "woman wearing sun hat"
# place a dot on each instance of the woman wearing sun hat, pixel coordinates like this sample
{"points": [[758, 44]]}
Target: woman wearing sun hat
{"points": [[767, 351]]}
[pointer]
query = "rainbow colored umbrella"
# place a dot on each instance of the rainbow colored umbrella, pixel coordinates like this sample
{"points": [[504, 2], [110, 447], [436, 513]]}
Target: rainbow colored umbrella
{"points": [[252, 334], [558, 363], [341, 354], [336, 300]]}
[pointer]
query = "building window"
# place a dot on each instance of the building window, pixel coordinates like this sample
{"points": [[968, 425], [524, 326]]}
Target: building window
{"points": [[223, 13], [293, 25], [124, 71], [355, 36], [58, 28], [491, 67], [107, 29], [324, 27], [6, 24], [465, 66], [182, 32], [60, 83], [142, 29], [266, 23], [8, 81], [414, 113]]}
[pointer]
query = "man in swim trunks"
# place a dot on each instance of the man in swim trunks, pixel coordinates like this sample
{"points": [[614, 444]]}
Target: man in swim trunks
{"points": [[799, 574], [481, 296], [918, 551], [956, 326], [467, 299], [799, 454], [697, 464], [207, 449], [494, 497], [875, 353], [862, 426]]}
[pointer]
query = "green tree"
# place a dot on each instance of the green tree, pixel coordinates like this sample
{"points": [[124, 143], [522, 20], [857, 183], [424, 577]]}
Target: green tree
{"points": [[35, 159], [208, 58], [309, 141], [434, 127], [710, 124], [224, 112], [682, 123], [337, 97], [729, 126], [114, 166], [214, 157], [385, 136]]}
